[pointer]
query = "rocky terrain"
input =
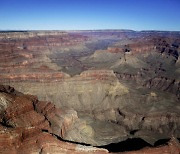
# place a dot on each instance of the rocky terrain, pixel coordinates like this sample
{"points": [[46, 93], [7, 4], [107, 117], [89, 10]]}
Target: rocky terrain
{"points": [[31, 126], [106, 87], [28, 125]]}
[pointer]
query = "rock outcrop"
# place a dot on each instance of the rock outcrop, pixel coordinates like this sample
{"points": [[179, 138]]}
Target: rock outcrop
{"points": [[31, 126]]}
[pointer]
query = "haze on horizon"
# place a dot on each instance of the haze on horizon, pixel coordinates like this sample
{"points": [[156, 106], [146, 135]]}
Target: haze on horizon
{"points": [[89, 14]]}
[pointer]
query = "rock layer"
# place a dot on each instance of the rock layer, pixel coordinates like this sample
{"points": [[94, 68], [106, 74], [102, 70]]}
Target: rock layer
{"points": [[31, 126]]}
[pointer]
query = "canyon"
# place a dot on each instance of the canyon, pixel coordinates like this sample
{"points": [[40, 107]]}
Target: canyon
{"points": [[89, 91]]}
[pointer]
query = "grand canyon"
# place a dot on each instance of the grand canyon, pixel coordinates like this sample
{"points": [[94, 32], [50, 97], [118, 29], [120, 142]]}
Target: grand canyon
{"points": [[90, 91]]}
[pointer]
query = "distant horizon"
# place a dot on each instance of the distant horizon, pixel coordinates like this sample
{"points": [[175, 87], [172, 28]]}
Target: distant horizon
{"points": [[149, 30]]}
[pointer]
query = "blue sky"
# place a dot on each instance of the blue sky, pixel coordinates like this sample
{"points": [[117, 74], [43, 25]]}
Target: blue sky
{"points": [[89, 14]]}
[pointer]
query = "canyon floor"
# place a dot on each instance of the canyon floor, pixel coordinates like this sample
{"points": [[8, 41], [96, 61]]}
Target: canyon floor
{"points": [[97, 91]]}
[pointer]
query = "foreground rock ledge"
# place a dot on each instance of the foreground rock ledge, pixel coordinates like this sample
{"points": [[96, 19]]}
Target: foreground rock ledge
{"points": [[28, 125], [31, 126]]}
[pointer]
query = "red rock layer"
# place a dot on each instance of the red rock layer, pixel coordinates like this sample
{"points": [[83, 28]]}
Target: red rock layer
{"points": [[31, 126], [98, 75], [35, 77], [20, 52], [148, 44]]}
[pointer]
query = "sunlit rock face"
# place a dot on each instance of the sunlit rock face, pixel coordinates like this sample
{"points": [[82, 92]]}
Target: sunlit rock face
{"points": [[105, 86]]}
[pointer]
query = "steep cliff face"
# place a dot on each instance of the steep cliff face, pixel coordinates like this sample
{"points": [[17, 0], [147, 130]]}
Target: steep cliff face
{"points": [[158, 82], [164, 84], [21, 55], [31, 126], [165, 45]]}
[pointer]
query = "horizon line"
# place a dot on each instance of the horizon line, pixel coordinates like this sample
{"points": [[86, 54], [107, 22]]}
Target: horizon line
{"points": [[149, 30]]}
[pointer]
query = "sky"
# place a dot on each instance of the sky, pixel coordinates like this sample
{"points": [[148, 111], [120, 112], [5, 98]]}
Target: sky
{"points": [[90, 14]]}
